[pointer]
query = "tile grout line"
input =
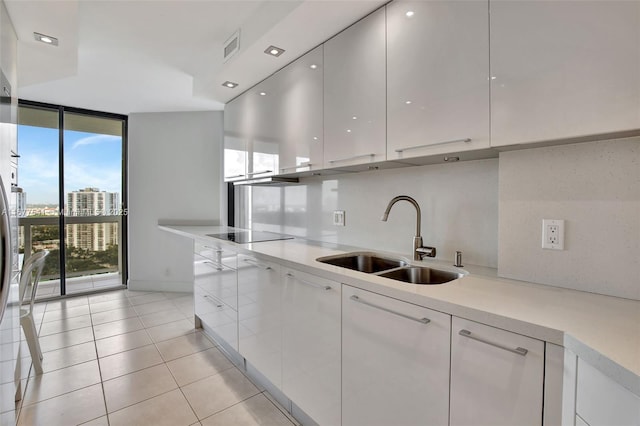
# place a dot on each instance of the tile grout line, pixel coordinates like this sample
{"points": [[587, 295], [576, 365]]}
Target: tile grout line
{"points": [[95, 347]]}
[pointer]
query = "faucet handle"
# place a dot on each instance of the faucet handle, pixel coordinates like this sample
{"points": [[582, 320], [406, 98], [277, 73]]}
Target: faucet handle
{"points": [[426, 252]]}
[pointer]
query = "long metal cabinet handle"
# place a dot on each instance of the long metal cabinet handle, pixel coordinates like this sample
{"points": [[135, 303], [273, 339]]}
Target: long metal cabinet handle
{"points": [[259, 173], [355, 157], [466, 140], [234, 176], [213, 300], [259, 265], [400, 314], [468, 334], [309, 283], [218, 266], [295, 167]]}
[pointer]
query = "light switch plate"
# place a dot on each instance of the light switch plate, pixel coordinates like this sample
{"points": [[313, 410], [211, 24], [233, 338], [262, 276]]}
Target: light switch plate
{"points": [[338, 217], [553, 234]]}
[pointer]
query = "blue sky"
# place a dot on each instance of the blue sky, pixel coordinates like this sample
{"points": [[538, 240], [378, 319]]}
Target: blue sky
{"points": [[90, 160]]}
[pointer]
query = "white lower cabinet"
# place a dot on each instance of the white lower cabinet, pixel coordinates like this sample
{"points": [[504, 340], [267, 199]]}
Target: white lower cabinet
{"points": [[496, 376], [216, 294], [395, 361], [311, 345], [602, 402], [260, 316]]}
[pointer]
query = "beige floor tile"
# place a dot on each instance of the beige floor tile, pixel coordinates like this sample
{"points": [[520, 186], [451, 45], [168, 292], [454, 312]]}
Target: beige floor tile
{"points": [[136, 387], [58, 382], [114, 315], [105, 297], [66, 357], [184, 345], [64, 410], [256, 410], [171, 330], [127, 362], [153, 307], [163, 317], [66, 313], [114, 328], [194, 367], [109, 305], [65, 339], [219, 392], [100, 421], [169, 409], [57, 305], [147, 298], [122, 342], [66, 324]]}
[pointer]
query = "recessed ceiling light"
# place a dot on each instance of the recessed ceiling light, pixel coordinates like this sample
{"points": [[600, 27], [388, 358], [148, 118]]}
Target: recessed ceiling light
{"points": [[45, 39], [313, 66], [410, 14], [348, 130], [354, 118], [230, 84], [315, 138], [274, 51], [407, 102], [263, 93]]}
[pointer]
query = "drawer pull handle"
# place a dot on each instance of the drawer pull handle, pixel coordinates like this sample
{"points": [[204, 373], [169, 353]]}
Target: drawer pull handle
{"points": [[234, 176], [465, 140], [259, 173], [309, 283], [216, 249], [259, 265], [518, 350], [213, 301], [217, 266], [400, 314], [355, 157]]}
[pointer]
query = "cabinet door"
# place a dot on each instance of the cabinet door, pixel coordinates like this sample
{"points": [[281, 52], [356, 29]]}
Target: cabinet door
{"points": [[299, 101], [311, 345], [493, 381], [437, 77], [563, 69], [354, 94], [238, 119], [395, 362], [216, 297], [260, 316], [601, 401]]}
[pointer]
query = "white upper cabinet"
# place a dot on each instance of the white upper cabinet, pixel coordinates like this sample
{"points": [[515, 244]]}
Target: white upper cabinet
{"points": [[437, 77], [354, 94], [237, 124], [298, 99], [496, 376], [563, 69]]}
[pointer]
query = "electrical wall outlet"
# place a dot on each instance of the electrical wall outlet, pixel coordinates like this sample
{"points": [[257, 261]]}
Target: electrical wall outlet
{"points": [[338, 217], [553, 234]]}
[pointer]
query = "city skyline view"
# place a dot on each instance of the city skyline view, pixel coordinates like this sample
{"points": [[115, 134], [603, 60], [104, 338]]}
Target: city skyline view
{"points": [[90, 160]]}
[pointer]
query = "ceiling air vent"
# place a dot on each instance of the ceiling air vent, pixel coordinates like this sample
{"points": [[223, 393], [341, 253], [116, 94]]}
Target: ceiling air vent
{"points": [[231, 46]]}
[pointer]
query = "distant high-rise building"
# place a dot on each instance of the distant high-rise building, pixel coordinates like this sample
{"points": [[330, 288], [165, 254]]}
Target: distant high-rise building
{"points": [[92, 202]]}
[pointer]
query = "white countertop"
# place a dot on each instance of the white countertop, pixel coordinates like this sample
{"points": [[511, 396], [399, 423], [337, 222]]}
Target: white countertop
{"points": [[602, 330]]}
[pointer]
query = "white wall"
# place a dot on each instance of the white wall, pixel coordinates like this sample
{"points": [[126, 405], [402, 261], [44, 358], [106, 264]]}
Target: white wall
{"points": [[174, 174], [459, 204], [595, 188]]}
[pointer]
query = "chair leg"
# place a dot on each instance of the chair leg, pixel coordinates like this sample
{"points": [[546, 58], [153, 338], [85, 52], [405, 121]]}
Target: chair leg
{"points": [[30, 333]]}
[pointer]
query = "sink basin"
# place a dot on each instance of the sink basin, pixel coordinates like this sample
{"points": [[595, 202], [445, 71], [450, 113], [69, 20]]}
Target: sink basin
{"points": [[421, 275], [363, 262]]}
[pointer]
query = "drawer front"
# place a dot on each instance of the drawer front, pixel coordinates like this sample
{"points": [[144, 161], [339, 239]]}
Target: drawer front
{"points": [[216, 317], [216, 253], [493, 381], [602, 402]]}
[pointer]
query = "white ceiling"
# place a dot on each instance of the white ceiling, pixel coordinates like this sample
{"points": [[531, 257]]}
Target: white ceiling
{"points": [[159, 55]]}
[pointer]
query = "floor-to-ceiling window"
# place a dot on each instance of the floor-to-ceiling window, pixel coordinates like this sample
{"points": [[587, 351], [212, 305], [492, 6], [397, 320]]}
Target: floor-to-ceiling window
{"points": [[72, 174]]}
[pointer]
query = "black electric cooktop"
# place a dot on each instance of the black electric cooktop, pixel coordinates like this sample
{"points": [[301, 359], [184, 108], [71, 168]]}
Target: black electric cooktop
{"points": [[242, 237]]}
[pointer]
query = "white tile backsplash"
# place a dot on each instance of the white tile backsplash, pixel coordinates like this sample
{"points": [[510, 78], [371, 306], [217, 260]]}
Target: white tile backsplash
{"points": [[459, 204]]}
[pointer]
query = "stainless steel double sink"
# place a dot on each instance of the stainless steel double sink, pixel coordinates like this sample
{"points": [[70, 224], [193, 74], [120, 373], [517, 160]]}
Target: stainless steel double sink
{"points": [[388, 267]]}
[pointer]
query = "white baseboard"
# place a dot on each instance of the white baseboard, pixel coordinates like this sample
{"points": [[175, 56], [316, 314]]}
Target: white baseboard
{"points": [[176, 286]]}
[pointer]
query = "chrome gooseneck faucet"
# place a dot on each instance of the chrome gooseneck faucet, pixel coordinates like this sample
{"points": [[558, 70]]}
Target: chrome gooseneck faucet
{"points": [[418, 250]]}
